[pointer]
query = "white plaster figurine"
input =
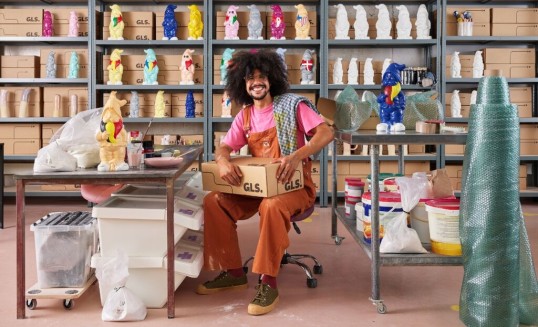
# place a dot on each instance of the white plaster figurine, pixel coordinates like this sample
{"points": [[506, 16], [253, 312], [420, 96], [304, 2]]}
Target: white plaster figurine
{"points": [[307, 67], [133, 105], [361, 23], [282, 54], [368, 72], [455, 65], [255, 24], [386, 64], [338, 72], [403, 26], [342, 23], [353, 72], [455, 104], [51, 65], [473, 98], [73, 24], [383, 24], [226, 105], [478, 65], [423, 24]]}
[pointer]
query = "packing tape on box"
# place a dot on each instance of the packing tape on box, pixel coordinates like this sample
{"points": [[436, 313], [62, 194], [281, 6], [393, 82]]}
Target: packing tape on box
{"points": [[426, 127]]}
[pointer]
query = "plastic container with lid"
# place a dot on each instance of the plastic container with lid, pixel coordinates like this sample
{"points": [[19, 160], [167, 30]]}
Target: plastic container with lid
{"points": [[444, 222], [64, 245], [390, 204], [382, 178], [354, 186], [419, 221]]}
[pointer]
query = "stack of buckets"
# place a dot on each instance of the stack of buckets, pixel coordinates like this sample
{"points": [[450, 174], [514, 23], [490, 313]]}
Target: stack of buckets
{"points": [[354, 188], [390, 205], [443, 221]]}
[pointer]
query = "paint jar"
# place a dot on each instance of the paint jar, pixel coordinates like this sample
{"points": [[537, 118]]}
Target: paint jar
{"points": [[444, 222]]}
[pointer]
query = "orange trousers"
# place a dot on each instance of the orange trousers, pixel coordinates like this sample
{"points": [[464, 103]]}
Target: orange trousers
{"points": [[223, 211]]}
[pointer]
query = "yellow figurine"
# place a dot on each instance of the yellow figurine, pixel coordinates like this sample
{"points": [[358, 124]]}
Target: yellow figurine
{"points": [[115, 68], [159, 105], [112, 136], [196, 25], [302, 24], [116, 23]]}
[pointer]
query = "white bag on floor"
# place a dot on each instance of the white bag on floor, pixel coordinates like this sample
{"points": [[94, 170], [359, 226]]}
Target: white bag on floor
{"points": [[121, 304]]}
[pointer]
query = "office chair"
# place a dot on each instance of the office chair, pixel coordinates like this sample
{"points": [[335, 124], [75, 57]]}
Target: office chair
{"points": [[295, 259]]}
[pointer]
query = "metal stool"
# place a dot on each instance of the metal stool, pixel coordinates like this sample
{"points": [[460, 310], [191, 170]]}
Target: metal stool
{"points": [[295, 259]]}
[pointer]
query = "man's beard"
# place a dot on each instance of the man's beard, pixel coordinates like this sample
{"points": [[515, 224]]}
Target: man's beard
{"points": [[264, 93]]}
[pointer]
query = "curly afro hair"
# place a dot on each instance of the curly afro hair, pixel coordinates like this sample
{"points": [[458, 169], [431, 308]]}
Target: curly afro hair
{"points": [[244, 62]]}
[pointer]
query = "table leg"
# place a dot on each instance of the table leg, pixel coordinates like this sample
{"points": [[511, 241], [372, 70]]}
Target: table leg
{"points": [[170, 246], [400, 159], [21, 259], [374, 215], [334, 195]]}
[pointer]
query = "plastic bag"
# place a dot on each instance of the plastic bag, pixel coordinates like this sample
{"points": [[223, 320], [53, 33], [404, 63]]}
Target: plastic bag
{"points": [[351, 113], [53, 158], [121, 304], [398, 237]]}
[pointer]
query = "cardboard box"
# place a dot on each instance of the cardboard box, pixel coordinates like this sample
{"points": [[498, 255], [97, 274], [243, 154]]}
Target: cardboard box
{"points": [[454, 149], [465, 72], [466, 60], [7, 72], [14, 97], [49, 94], [21, 147], [520, 94], [19, 131], [133, 33], [47, 131], [528, 147], [514, 29], [479, 29], [514, 15], [62, 71], [524, 109], [259, 178], [20, 16], [514, 70], [28, 30], [19, 61], [132, 19], [509, 56], [528, 131], [465, 98], [61, 20], [480, 14]]}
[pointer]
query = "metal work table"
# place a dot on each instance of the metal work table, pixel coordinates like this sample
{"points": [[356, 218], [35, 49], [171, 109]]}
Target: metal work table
{"points": [[375, 140], [165, 176]]}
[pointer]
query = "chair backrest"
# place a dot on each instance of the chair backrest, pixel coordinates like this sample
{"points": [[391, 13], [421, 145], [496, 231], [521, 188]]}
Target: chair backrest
{"points": [[302, 216]]}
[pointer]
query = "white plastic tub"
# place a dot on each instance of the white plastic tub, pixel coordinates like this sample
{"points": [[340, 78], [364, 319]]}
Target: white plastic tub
{"points": [[148, 276], [136, 226]]}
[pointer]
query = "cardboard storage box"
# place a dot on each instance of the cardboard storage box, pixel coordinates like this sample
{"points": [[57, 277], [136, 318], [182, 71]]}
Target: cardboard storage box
{"points": [[509, 56], [479, 29], [520, 94], [21, 147], [466, 60], [61, 21], [20, 16], [62, 71], [47, 131], [514, 29], [133, 33], [514, 15], [27, 30], [19, 131], [49, 94], [132, 18], [259, 178], [480, 14], [528, 147], [514, 70]]}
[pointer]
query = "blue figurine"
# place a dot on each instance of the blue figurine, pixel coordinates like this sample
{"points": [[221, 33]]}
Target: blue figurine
{"points": [[190, 105], [151, 70], [391, 100], [73, 65], [170, 23]]}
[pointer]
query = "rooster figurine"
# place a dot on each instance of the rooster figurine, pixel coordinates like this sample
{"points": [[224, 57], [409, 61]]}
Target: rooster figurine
{"points": [[391, 100]]}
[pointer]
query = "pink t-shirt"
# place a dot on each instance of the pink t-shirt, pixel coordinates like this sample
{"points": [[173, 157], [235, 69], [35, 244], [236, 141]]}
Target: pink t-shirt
{"points": [[263, 119]]}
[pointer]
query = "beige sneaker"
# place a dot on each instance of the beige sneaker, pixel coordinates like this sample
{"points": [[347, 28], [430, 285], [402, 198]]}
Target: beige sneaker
{"points": [[222, 282], [264, 301]]}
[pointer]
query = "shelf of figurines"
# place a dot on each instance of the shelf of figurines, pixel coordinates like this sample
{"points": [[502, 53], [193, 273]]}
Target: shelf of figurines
{"points": [[152, 43], [392, 43], [157, 87]]}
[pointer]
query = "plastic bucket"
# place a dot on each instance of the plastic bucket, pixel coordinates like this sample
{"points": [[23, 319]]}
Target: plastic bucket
{"points": [[382, 178], [390, 205], [419, 221], [444, 222], [354, 186]]}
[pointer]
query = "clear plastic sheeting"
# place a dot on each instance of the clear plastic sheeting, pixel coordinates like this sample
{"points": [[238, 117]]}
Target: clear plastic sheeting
{"points": [[499, 285]]}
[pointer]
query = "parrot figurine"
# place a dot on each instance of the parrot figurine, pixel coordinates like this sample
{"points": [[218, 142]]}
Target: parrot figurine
{"points": [[391, 100]]}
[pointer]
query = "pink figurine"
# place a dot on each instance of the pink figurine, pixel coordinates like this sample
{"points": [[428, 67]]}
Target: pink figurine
{"points": [[187, 68], [231, 24], [73, 24], [277, 23], [47, 23]]}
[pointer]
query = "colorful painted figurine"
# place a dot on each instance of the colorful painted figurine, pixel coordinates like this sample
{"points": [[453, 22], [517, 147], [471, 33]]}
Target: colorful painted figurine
{"points": [[338, 72], [112, 137], [187, 68], [226, 106], [151, 69], [190, 105], [73, 24], [196, 24], [391, 101], [308, 67], [423, 24], [278, 26], [282, 54], [353, 72], [134, 105], [51, 65], [360, 25], [368, 72], [302, 23], [116, 25], [255, 24], [226, 57], [231, 24], [48, 28], [403, 26], [455, 65], [383, 24], [169, 23], [478, 65], [159, 105], [342, 23], [115, 68], [73, 65]]}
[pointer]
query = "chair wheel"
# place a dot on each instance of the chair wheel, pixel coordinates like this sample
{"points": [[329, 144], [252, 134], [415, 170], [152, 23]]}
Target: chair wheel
{"points": [[311, 282], [245, 269], [318, 269], [31, 304], [68, 304]]}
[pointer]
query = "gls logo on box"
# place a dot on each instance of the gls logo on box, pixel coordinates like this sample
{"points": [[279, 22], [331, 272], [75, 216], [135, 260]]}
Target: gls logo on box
{"points": [[33, 19], [293, 185], [249, 187]]}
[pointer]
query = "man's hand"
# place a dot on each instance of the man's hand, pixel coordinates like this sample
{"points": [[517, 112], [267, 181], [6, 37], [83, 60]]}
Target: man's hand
{"points": [[229, 172], [287, 167]]}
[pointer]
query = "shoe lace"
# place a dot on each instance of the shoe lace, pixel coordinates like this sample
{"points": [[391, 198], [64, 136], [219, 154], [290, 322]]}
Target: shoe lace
{"points": [[222, 275], [261, 293]]}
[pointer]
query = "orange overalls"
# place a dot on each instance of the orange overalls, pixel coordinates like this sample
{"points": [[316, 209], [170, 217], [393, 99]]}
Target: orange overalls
{"points": [[222, 211]]}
